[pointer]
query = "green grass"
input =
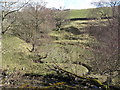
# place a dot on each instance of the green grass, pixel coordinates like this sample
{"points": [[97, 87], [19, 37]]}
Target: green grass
{"points": [[83, 13], [87, 13], [14, 53], [13, 46], [15, 56]]}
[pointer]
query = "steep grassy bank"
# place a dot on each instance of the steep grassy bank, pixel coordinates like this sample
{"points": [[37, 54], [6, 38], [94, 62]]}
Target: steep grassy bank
{"points": [[16, 57]]}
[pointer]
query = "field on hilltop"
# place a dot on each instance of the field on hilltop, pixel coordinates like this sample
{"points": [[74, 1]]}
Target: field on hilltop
{"points": [[89, 13]]}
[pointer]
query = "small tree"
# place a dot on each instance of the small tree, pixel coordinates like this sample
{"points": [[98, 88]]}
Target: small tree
{"points": [[61, 17], [32, 24]]}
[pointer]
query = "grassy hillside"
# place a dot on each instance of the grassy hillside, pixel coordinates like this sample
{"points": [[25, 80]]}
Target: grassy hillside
{"points": [[87, 13], [16, 55], [68, 47]]}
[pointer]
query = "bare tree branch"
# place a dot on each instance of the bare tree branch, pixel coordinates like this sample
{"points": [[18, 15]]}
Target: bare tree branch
{"points": [[16, 9]]}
